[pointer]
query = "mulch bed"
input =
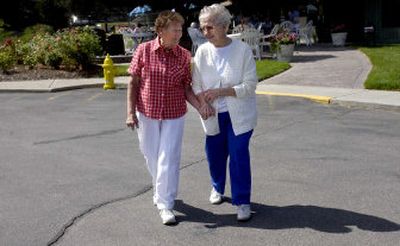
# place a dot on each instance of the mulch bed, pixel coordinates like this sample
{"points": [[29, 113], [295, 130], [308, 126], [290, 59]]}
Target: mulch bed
{"points": [[22, 73]]}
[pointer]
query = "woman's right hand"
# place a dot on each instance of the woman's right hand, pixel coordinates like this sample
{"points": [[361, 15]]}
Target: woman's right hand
{"points": [[206, 111], [132, 121]]}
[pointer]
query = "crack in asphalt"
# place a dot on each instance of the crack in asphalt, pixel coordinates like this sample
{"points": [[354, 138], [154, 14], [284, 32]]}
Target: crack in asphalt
{"points": [[107, 132], [73, 221], [70, 223], [192, 163]]}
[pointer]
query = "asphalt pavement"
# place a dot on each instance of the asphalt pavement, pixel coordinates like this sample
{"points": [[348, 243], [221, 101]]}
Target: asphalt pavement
{"points": [[71, 173]]}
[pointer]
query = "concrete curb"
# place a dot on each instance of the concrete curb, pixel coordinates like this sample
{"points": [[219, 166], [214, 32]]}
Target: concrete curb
{"points": [[57, 85], [370, 99], [315, 98]]}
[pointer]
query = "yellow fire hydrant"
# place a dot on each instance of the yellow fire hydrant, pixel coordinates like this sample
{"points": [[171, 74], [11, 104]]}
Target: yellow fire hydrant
{"points": [[109, 73]]}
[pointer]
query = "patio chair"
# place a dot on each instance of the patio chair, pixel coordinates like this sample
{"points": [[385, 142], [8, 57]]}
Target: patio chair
{"points": [[196, 37], [241, 27], [252, 37], [306, 33], [265, 42], [273, 32], [287, 26], [302, 21]]}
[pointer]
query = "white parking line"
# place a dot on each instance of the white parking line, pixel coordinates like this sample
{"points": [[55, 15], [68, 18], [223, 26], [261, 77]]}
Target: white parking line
{"points": [[59, 95], [95, 96]]}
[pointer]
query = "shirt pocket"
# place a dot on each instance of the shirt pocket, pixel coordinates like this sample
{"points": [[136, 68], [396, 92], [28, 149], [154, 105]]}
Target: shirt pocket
{"points": [[175, 75]]}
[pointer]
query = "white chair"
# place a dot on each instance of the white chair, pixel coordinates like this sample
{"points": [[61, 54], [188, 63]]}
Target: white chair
{"points": [[306, 33], [196, 37], [241, 27], [287, 26], [252, 37], [132, 40], [259, 27], [302, 21], [237, 29], [273, 32], [265, 40]]}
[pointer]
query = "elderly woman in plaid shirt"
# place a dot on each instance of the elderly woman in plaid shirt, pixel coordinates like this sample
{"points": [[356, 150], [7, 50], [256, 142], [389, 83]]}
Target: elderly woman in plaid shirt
{"points": [[156, 104]]}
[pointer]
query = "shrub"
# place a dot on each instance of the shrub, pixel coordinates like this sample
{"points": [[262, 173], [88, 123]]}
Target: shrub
{"points": [[38, 29], [36, 50], [4, 33], [53, 59], [7, 55], [25, 54], [73, 48], [79, 46]]}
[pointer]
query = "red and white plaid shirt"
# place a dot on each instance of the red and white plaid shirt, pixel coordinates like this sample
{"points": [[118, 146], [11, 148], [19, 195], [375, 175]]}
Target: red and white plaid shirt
{"points": [[164, 75]]}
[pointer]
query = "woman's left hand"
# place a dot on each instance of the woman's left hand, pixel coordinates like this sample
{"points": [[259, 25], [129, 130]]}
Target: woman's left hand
{"points": [[211, 94]]}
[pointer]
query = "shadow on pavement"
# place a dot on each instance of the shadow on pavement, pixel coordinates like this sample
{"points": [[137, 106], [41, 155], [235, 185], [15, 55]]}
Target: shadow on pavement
{"points": [[310, 58], [322, 219], [323, 48]]}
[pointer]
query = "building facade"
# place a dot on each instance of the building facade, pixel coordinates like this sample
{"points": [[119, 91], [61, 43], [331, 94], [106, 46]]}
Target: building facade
{"points": [[382, 15]]}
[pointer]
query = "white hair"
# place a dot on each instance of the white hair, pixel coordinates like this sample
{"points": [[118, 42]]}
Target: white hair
{"points": [[216, 13]]}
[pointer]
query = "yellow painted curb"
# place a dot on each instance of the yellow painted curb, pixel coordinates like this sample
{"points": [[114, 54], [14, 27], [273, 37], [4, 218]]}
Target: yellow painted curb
{"points": [[319, 99]]}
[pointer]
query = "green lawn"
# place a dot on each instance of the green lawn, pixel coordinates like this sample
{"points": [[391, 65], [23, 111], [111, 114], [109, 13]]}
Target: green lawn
{"points": [[121, 70], [265, 68], [268, 68], [385, 74]]}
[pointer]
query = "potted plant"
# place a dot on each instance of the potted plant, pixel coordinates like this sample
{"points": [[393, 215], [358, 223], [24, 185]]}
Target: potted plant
{"points": [[339, 35], [283, 45]]}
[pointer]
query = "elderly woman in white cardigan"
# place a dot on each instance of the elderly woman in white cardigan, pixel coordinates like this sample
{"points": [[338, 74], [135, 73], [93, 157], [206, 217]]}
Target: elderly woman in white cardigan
{"points": [[224, 77]]}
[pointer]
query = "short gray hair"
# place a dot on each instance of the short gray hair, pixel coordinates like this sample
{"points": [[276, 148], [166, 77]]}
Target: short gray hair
{"points": [[216, 13]]}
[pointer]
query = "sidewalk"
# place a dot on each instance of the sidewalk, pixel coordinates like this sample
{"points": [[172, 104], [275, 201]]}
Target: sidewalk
{"points": [[330, 75], [324, 74]]}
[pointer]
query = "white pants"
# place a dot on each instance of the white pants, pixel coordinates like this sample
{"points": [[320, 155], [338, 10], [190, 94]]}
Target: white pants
{"points": [[160, 142]]}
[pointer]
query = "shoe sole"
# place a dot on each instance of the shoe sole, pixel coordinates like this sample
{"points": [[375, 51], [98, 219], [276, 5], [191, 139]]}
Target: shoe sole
{"points": [[217, 202], [244, 219], [171, 222]]}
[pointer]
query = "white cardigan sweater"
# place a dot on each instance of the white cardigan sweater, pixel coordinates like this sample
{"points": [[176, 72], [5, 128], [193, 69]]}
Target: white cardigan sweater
{"points": [[239, 75]]}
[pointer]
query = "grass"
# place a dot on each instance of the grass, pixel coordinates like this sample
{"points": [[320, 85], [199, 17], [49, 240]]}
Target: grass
{"points": [[268, 68], [265, 68], [385, 74], [121, 70]]}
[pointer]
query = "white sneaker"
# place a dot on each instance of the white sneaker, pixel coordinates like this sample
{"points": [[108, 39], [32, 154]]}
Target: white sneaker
{"points": [[243, 212], [167, 216], [215, 197]]}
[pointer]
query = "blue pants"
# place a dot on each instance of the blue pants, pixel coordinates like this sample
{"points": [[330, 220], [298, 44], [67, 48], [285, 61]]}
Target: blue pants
{"points": [[225, 144]]}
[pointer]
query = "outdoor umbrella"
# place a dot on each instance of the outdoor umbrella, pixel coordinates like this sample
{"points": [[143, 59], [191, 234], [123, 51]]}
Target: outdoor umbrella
{"points": [[139, 10]]}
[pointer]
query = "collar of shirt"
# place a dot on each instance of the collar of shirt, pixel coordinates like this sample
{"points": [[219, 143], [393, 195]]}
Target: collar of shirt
{"points": [[157, 46]]}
